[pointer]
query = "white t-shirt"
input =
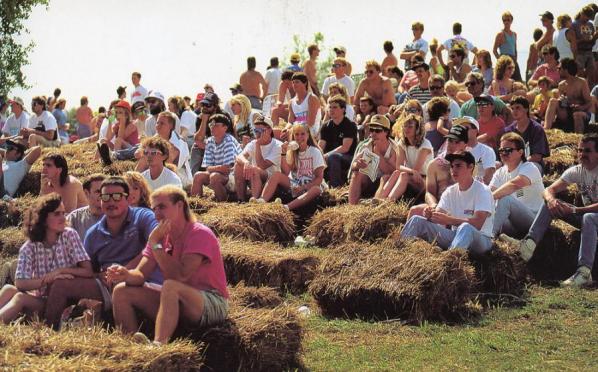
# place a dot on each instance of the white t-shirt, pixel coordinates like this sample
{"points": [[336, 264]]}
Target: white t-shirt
{"points": [[167, 177], [14, 172], [463, 204], [345, 80], [188, 118], [13, 125], [530, 196], [273, 77], [308, 161], [150, 125], [46, 118], [138, 95], [484, 158], [183, 167], [586, 180], [103, 133], [270, 152], [411, 153]]}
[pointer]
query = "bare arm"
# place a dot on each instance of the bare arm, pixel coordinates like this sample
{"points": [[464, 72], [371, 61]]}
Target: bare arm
{"points": [[314, 106], [498, 41], [510, 187], [388, 97]]}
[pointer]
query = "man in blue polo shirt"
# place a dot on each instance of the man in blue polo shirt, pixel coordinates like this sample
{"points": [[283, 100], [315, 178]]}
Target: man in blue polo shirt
{"points": [[117, 238]]}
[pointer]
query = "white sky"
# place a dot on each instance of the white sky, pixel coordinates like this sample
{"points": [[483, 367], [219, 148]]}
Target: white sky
{"points": [[90, 47]]}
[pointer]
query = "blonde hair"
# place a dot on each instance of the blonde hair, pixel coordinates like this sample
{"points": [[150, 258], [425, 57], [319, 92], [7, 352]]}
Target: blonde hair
{"points": [[176, 194], [502, 64], [561, 21], [420, 132], [243, 116], [293, 155], [507, 14], [342, 90], [374, 64], [136, 179], [452, 84]]}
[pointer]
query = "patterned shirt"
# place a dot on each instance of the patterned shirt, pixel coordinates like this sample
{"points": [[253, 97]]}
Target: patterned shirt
{"points": [[420, 94], [223, 153], [35, 260]]}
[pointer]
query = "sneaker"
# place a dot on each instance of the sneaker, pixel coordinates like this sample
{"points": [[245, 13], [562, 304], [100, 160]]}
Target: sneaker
{"points": [[526, 249], [582, 277], [104, 151], [278, 201], [252, 200], [140, 338], [509, 240]]}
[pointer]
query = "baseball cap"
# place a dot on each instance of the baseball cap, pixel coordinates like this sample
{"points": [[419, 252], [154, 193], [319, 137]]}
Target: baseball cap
{"points": [[339, 48], [17, 145], [458, 132], [380, 121], [461, 155], [123, 104], [466, 120], [210, 99], [484, 98], [263, 120], [155, 94], [200, 96], [138, 106], [236, 86], [547, 15], [18, 101], [295, 57]]}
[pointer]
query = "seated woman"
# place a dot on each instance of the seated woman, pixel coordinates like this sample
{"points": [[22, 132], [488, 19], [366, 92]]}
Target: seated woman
{"points": [[439, 124], [139, 190], [52, 252], [502, 85], [243, 120], [367, 109], [339, 89], [415, 152], [123, 133], [188, 255], [484, 67], [302, 171]]}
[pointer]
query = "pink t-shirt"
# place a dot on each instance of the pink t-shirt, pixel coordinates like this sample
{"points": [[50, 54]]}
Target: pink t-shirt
{"points": [[199, 239], [545, 70], [409, 80], [133, 138]]}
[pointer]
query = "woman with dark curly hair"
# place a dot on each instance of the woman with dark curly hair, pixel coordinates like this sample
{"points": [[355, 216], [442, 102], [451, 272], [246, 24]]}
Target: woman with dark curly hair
{"points": [[52, 252]]}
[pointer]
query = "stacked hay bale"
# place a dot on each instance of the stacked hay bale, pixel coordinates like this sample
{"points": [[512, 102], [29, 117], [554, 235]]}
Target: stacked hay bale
{"points": [[334, 196], [202, 205], [356, 223], [255, 297], [560, 160], [11, 240], [557, 138], [11, 213], [555, 258]]}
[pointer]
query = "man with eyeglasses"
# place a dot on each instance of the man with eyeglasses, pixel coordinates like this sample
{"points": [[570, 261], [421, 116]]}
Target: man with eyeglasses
{"points": [[467, 207], [339, 67], [16, 162], [221, 150], [117, 238], [436, 85], [155, 151], [258, 161], [341, 52], [475, 86], [378, 145], [376, 86], [421, 91], [585, 176]]}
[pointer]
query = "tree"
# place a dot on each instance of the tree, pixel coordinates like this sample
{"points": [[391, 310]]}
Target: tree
{"points": [[324, 61], [14, 55]]}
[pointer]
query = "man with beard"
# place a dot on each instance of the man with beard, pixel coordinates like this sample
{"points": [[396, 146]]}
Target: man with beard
{"points": [[155, 102]]}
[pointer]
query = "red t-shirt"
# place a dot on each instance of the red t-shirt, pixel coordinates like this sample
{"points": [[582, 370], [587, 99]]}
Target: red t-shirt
{"points": [[492, 128]]}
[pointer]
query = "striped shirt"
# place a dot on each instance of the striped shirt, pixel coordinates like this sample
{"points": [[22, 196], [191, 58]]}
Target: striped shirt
{"points": [[422, 95], [223, 153], [35, 260]]}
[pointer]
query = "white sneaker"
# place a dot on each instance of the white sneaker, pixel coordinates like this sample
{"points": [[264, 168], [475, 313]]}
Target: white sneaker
{"points": [[526, 249], [140, 338], [278, 201], [583, 276], [252, 200]]}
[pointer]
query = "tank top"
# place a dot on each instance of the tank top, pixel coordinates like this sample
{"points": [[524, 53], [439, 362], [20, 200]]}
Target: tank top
{"points": [[508, 47], [133, 138], [301, 109], [562, 44], [246, 129]]}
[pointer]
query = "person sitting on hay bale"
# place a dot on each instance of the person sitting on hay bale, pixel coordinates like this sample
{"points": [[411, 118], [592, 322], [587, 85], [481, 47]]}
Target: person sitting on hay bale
{"points": [[16, 162], [485, 157], [438, 175], [139, 190], [374, 161], [42, 130], [585, 176], [155, 154], [306, 167], [188, 255], [467, 206], [259, 160], [52, 253], [219, 156], [55, 178], [117, 238], [415, 153], [83, 218]]}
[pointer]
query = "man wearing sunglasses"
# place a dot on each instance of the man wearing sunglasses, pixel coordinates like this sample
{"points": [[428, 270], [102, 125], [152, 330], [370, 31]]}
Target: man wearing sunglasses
{"points": [[155, 104], [258, 161], [15, 165], [436, 85], [475, 86], [585, 176], [117, 238], [376, 86], [155, 152], [339, 67], [208, 106]]}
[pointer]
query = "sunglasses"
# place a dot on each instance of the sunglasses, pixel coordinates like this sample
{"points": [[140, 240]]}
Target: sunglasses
{"points": [[337, 65], [584, 150], [436, 87], [376, 130], [116, 196], [10, 148], [151, 101], [412, 110], [483, 104], [259, 130], [369, 72], [152, 152], [471, 83], [506, 150], [214, 124], [452, 56]]}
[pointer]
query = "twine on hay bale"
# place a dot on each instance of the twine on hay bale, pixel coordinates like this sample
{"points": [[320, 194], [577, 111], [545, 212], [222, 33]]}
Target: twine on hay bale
{"points": [[38, 347], [410, 279], [253, 221], [11, 240], [501, 271], [358, 223], [255, 297], [268, 264]]}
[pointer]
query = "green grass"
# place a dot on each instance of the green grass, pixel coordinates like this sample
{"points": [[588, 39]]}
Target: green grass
{"points": [[556, 330]]}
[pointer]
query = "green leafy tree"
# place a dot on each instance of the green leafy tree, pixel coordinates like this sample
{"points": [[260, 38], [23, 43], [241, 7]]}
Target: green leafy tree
{"points": [[14, 55], [325, 59]]}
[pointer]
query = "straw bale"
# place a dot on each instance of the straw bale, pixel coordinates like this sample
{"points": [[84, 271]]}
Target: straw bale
{"points": [[557, 138], [358, 223], [502, 271], [253, 221], [410, 279], [334, 196], [268, 264], [560, 160], [202, 205], [8, 269], [30, 184], [37, 347], [11, 240], [255, 297]]}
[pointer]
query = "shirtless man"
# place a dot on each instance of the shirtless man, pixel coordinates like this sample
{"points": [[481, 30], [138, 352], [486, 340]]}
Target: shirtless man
{"points": [[251, 81], [438, 175], [377, 87], [310, 68], [547, 21], [574, 98], [56, 178], [390, 59]]}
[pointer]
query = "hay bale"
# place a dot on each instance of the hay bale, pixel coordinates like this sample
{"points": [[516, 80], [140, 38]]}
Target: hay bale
{"points": [[410, 279], [358, 223], [501, 272], [255, 297], [30, 184], [11, 240], [555, 258], [11, 213], [557, 138], [560, 159], [268, 264], [334, 196], [253, 221], [202, 205], [8, 270], [39, 348]]}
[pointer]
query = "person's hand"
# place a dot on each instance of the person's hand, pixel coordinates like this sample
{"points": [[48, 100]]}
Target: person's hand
{"points": [[555, 207], [284, 147], [116, 274], [440, 218], [361, 163], [417, 177], [159, 232], [248, 171], [296, 190], [428, 212]]}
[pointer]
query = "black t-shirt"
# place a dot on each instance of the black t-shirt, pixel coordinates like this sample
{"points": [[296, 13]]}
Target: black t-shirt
{"points": [[334, 134]]}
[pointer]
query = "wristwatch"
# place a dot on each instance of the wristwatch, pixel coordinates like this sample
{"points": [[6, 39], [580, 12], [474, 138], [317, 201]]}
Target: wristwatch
{"points": [[157, 246]]}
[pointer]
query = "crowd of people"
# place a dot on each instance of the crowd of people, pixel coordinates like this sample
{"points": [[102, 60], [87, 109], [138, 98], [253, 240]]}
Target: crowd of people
{"points": [[464, 138]]}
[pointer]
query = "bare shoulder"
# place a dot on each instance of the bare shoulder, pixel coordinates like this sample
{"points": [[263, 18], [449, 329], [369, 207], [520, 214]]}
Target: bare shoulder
{"points": [[74, 182]]}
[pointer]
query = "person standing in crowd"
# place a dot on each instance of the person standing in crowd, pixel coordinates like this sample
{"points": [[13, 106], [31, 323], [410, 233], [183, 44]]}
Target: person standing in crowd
{"points": [[310, 68], [254, 85], [61, 121], [140, 93], [418, 46], [84, 115], [390, 59], [505, 43], [273, 75]]}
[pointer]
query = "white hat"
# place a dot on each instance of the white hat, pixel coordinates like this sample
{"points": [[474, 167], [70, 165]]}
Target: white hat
{"points": [[467, 120], [155, 94]]}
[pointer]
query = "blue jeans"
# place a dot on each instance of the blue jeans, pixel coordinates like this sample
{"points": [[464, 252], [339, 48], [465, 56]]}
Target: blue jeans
{"points": [[338, 166], [512, 217], [465, 236], [126, 154]]}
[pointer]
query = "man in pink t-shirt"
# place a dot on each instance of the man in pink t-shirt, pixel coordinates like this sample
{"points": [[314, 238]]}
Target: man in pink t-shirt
{"points": [[188, 256]]}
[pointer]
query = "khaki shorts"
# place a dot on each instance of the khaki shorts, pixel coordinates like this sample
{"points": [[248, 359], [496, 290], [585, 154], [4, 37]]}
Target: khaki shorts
{"points": [[215, 308], [47, 143]]}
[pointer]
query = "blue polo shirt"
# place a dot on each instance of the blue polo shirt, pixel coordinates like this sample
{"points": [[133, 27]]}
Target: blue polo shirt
{"points": [[105, 249]]}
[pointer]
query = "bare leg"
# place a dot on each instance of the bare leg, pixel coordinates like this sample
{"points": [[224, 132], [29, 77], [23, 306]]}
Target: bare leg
{"points": [[579, 118], [19, 303], [126, 299], [257, 182], [551, 112], [177, 299], [217, 183], [400, 187], [64, 289], [389, 184], [6, 294], [358, 181], [305, 198], [200, 179], [240, 182], [277, 179]]}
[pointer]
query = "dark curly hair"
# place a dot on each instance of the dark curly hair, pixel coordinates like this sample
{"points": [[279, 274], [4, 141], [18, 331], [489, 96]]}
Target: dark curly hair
{"points": [[35, 219]]}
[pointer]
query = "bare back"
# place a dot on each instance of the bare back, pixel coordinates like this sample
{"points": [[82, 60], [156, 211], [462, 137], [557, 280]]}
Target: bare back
{"points": [[576, 90], [250, 82], [72, 193]]}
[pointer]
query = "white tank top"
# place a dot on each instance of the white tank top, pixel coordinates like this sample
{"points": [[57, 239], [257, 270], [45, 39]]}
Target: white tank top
{"points": [[562, 44], [300, 110]]}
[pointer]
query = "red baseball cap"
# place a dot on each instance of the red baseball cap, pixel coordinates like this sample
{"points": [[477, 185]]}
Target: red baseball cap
{"points": [[123, 104]]}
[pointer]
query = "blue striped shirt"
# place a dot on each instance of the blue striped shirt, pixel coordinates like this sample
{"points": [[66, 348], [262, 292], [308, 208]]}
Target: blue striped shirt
{"points": [[223, 153]]}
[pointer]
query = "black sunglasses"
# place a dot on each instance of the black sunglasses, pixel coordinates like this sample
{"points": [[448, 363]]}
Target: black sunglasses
{"points": [[506, 150], [116, 196], [376, 130]]}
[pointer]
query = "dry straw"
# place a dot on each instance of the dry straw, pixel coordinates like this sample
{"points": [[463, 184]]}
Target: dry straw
{"points": [[11, 240], [255, 297]]}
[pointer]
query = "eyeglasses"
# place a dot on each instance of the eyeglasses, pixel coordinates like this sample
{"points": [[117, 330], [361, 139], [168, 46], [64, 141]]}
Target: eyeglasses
{"points": [[116, 196], [436, 87], [471, 83], [412, 110], [483, 104], [369, 72], [152, 152], [206, 105], [506, 150], [337, 65], [376, 130], [214, 124], [259, 130], [584, 150], [452, 55]]}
